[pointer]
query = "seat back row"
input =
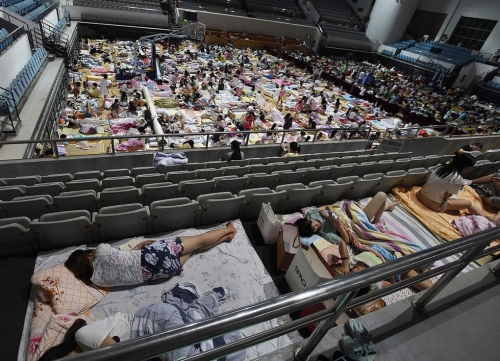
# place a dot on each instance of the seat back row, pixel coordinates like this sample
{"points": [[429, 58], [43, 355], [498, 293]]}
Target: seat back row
{"points": [[75, 227], [150, 174], [284, 199]]}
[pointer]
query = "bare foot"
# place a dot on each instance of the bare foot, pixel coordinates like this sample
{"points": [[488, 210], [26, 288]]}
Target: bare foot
{"points": [[231, 232], [228, 237], [390, 207], [230, 227]]}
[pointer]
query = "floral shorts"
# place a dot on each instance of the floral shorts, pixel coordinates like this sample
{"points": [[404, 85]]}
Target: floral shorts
{"points": [[162, 259]]}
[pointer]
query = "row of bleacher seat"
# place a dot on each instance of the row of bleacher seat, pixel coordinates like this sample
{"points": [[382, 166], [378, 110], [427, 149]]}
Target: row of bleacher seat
{"points": [[388, 52], [433, 66], [237, 167], [52, 230], [381, 162], [7, 3], [32, 15], [147, 7], [23, 80], [288, 7], [336, 11], [363, 184], [343, 32], [137, 3], [24, 6], [60, 26], [121, 20], [493, 84], [5, 39], [403, 44], [459, 58]]}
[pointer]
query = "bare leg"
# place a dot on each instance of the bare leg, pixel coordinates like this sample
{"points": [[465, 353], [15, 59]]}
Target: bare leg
{"points": [[390, 207], [208, 240], [376, 207], [458, 204], [423, 285]]}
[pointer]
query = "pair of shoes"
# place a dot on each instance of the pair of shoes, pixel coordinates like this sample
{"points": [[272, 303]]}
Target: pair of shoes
{"points": [[357, 345]]}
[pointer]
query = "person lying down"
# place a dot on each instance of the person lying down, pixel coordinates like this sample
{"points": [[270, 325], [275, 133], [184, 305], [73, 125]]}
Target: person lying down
{"points": [[350, 240], [179, 306], [106, 266]]}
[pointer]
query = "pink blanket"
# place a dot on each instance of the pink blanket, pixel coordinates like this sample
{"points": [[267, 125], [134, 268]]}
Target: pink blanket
{"points": [[130, 144], [101, 70], [468, 225], [282, 81], [122, 128]]}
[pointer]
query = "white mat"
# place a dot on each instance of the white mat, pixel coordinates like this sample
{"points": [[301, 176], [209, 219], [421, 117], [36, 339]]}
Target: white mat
{"points": [[234, 265]]}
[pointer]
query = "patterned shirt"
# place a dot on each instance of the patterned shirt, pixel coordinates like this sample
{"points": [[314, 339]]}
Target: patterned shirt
{"points": [[114, 267]]}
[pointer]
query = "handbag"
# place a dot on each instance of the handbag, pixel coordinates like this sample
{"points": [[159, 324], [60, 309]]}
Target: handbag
{"points": [[268, 224], [288, 245]]}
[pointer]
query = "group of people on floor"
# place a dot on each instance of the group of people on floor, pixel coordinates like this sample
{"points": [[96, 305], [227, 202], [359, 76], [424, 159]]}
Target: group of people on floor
{"points": [[226, 65]]}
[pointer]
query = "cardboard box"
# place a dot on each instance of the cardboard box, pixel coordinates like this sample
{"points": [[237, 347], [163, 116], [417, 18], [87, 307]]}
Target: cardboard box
{"points": [[285, 255], [307, 269]]}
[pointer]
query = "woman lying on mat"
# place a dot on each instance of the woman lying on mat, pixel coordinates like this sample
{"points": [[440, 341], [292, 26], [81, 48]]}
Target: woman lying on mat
{"points": [[106, 266], [179, 306], [445, 181], [360, 256]]}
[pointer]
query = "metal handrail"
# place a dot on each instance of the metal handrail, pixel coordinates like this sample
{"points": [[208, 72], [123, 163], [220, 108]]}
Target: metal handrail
{"points": [[450, 129], [5, 94], [342, 288], [44, 117], [44, 13], [49, 115], [14, 35]]}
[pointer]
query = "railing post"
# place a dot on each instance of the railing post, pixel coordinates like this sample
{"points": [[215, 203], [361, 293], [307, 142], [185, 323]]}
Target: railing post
{"points": [[432, 292], [54, 148], [495, 270], [302, 353], [455, 128], [315, 135], [113, 146], [206, 143]]}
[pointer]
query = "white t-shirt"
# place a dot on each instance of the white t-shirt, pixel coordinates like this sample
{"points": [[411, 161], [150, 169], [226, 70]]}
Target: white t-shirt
{"points": [[336, 118], [436, 187], [90, 337], [103, 86], [114, 267], [397, 123]]}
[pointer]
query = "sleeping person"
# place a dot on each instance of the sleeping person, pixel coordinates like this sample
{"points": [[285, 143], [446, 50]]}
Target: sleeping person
{"points": [[179, 306], [349, 226], [106, 266]]}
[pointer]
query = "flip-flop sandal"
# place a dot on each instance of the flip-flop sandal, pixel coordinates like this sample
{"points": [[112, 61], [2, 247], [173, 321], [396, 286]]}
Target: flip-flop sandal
{"points": [[362, 336], [352, 349]]}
